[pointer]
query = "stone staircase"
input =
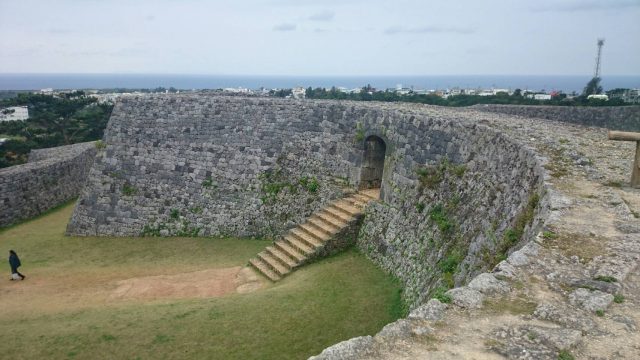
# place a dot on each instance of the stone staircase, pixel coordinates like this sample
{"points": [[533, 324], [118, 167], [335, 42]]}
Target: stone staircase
{"points": [[313, 238]]}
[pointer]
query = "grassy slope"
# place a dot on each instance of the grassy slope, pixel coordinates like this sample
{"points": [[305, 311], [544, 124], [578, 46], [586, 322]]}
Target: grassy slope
{"points": [[326, 302]]}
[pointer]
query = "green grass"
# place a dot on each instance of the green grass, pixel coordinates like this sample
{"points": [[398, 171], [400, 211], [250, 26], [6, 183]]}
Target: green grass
{"points": [[565, 355], [326, 302]]}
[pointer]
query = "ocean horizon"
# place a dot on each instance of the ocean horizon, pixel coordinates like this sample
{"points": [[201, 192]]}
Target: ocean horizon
{"points": [[566, 83]]}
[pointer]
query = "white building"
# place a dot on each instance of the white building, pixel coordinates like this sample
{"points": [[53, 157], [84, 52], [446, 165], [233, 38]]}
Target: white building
{"points": [[298, 92], [14, 113], [542, 96], [598, 97]]}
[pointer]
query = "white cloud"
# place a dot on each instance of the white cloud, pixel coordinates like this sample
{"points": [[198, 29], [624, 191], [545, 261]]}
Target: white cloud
{"points": [[326, 15], [285, 27], [588, 5], [394, 30]]}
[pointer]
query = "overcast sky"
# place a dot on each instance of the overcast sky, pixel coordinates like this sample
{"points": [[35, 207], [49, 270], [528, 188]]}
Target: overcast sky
{"points": [[314, 37]]}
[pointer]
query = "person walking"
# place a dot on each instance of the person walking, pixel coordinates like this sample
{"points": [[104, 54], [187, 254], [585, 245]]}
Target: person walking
{"points": [[14, 261]]}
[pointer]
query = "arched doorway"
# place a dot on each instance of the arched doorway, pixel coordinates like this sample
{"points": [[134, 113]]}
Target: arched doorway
{"points": [[372, 163]]}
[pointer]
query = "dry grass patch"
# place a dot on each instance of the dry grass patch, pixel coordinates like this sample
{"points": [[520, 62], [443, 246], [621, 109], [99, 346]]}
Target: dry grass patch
{"points": [[583, 246], [513, 306]]}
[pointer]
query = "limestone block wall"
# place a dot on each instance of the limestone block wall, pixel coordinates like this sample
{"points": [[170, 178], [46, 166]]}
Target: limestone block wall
{"points": [[206, 165], [624, 118], [454, 191], [442, 224], [50, 178]]}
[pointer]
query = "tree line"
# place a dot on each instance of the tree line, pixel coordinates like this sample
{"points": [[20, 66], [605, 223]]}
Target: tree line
{"points": [[53, 121], [367, 93]]}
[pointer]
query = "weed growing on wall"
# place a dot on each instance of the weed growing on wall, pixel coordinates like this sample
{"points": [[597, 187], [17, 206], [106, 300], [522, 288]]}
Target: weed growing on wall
{"points": [[359, 137], [430, 176], [128, 190], [513, 235]]}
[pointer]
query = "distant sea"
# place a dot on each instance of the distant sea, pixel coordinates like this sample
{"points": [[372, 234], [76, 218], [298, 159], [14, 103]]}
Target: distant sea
{"points": [[188, 82]]}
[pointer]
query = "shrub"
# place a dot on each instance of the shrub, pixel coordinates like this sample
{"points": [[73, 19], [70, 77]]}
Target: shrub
{"points": [[609, 279], [128, 190], [309, 183], [618, 298], [439, 216], [440, 294], [450, 263], [207, 183], [429, 176], [175, 214], [565, 355]]}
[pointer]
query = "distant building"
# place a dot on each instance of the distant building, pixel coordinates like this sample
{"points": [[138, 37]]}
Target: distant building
{"points": [[14, 113], [238, 90], [47, 91], [298, 92], [598, 97], [630, 96], [542, 96], [537, 96]]}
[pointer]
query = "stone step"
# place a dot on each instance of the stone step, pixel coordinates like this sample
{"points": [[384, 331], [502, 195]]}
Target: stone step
{"points": [[363, 198], [273, 263], [373, 194], [357, 203], [333, 219], [292, 252], [264, 269], [323, 225], [317, 234], [346, 208], [306, 238], [337, 213], [284, 258], [299, 245]]}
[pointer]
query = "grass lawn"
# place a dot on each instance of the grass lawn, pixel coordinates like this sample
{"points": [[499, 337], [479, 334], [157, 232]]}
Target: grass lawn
{"points": [[63, 309]]}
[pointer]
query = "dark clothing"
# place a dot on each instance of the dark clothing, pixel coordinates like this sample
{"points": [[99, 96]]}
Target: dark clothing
{"points": [[14, 262]]}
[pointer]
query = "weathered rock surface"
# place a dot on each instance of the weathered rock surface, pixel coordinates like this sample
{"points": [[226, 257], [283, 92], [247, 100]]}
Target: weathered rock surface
{"points": [[466, 297], [349, 349], [488, 285], [592, 300], [433, 310]]}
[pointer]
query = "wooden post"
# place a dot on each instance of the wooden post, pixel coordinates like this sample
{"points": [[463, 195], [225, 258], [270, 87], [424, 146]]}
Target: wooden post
{"points": [[630, 136]]}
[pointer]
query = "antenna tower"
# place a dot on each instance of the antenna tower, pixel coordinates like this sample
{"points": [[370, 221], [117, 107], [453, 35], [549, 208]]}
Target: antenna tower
{"points": [[597, 71]]}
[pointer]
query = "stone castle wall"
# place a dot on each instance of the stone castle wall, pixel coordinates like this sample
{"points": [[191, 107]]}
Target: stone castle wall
{"points": [[50, 178], [624, 118], [202, 165]]}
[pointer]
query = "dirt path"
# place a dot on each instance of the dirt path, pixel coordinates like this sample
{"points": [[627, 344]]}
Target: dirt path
{"points": [[44, 293]]}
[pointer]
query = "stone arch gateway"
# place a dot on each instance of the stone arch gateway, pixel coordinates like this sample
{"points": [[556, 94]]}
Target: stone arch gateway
{"points": [[372, 163]]}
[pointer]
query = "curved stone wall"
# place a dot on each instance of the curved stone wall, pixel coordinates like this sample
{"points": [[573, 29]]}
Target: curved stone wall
{"points": [[455, 193], [625, 118], [50, 178]]}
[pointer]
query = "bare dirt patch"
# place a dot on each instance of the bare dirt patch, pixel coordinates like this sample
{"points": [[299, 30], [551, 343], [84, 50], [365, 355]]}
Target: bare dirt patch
{"points": [[198, 284]]}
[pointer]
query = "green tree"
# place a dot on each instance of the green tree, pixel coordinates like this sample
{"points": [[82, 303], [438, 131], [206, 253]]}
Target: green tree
{"points": [[593, 87]]}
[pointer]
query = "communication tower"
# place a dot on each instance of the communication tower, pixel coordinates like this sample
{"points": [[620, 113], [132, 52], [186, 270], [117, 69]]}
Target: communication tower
{"points": [[597, 71]]}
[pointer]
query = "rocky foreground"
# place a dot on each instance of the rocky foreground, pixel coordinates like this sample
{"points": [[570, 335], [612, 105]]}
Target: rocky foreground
{"points": [[573, 292]]}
